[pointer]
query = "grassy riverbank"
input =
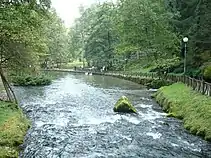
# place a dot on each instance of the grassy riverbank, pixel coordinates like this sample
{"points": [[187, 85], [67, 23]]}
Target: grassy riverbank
{"points": [[13, 127], [182, 102]]}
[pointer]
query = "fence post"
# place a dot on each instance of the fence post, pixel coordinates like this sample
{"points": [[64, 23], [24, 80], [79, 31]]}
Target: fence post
{"points": [[203, 87]]}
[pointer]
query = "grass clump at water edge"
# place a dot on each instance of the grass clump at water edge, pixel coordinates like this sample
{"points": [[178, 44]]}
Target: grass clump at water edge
{"points": [[31, 80], [13, 127], [194, 108]]}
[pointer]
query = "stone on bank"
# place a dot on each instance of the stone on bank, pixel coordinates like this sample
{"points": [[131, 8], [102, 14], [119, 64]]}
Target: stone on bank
{"points": [[124, 105]]}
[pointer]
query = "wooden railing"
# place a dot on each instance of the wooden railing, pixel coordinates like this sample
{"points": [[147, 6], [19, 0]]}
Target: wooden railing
{"points": [[197, 85]]}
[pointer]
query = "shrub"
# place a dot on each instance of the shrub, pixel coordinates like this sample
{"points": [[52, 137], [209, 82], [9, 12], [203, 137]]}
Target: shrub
{"points": [[178, 70], [193, 72], [158, 83], [30, 80], [207, 73]]}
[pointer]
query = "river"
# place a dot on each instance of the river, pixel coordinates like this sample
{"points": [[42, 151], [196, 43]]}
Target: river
{"points": [[74, 118]]}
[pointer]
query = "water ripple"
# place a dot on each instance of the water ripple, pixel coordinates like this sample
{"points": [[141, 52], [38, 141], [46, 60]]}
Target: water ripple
{"points": [[74, 117]]}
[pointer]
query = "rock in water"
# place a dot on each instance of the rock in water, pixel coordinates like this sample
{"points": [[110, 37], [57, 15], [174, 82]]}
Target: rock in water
{"points": [[124, 105]]}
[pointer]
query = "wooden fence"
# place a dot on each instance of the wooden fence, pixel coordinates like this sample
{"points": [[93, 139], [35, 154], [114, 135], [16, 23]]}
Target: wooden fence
{"points": [[197, 85]]}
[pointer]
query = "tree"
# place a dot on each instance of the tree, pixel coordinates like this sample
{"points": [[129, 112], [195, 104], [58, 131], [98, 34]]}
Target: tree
{"points": [[94, 34], [56, 39], [21, 43], [143, 27], [193, 20]]}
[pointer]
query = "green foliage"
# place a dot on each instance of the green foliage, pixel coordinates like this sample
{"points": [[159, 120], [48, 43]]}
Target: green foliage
{"points": [[194, 72], [193, 107], [158, 83], [178, 70], [207, 73], [31, 80], [192, 19], [56, 40], [13, 127], [107, 33], [31, 34], [71, 65], [140, 66], [143, 26], [165, 64]]}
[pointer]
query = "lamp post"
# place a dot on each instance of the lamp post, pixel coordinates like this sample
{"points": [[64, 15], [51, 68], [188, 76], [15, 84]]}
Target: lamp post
{"points": [[185, 40], [125, 63]]}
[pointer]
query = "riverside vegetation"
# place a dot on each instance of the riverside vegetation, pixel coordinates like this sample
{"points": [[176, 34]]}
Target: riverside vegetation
{"points": [[194, 108], [13, 127], [33, 36], [31, 80]]}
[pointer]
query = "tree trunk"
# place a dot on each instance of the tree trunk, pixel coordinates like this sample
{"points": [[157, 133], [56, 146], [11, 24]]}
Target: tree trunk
{"points": [[8, 89]]}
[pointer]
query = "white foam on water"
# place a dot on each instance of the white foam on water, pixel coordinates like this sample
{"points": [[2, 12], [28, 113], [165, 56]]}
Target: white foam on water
{"points": [[154, 135], [175, 145], [96, 121], [127, 137], [143, 98], [39, 123], [59, 121], [195, 149], [133, 120], [144, 105], [95, 154], [152, 115], [153, 90], [191, 146]]}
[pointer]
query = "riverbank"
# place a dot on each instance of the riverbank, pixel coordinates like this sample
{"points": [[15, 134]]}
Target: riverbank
{"points": [[192, 107], [13, 127], [149, 82]]}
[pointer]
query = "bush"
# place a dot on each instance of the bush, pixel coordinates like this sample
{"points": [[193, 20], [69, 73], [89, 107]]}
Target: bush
{"points": [[158, 83], [207, 73], [30, 80], [178, 70], [193, 72]]}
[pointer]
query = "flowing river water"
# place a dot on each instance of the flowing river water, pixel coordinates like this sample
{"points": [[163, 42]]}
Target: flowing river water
{"points": [[74, 118]]}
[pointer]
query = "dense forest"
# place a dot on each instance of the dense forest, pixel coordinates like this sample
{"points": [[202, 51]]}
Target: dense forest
{"points": [[145, 34], [128, 34]]}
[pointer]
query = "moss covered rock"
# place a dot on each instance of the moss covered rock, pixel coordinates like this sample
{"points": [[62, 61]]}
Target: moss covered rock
{"points": [[124, 105]]}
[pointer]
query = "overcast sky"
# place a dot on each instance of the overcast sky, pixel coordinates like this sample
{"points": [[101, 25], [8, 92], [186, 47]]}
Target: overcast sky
{"points": [[68, 9]]}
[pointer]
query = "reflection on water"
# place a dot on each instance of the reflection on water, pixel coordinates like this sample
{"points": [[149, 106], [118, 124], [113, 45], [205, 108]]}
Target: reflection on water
{"points": [[74, 117]]}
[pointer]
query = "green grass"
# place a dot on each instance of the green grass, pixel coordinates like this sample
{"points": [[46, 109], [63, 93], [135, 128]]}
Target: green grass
{"points": [[140, 66], [184, 103], [13, 127]]}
